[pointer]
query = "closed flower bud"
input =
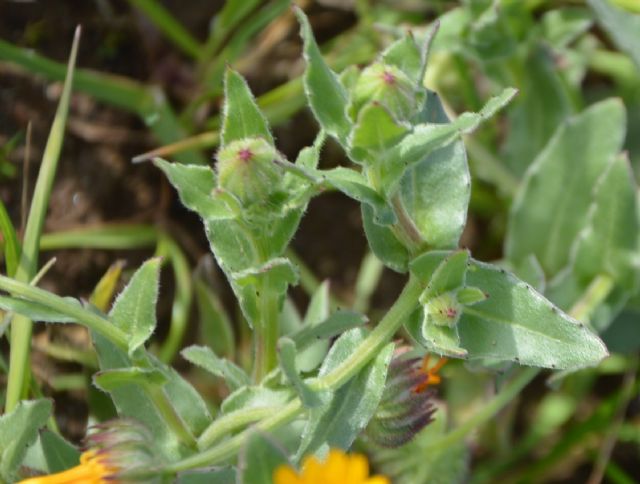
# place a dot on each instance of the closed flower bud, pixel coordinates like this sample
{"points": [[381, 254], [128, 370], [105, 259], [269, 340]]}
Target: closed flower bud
{"points": [[406, 406], [246, 169], [387, 85], [115, 450], [442, 310]]}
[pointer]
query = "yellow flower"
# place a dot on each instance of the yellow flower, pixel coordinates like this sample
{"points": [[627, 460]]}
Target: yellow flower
{"points": [[338, 468], [93, 469]]}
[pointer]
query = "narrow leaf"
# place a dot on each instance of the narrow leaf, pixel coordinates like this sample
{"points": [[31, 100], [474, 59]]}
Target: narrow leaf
{"points": [[383, 242], [354, 185], [552, 205], [287, 358], [609, 243], [338, 423], [205, 358], [327, 97], [196, 186], [134, 310], [18, 430], [242, 118]]}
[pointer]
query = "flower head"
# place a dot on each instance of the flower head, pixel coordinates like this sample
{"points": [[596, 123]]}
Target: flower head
{"points": [[406, 406], [337, 468], [114, 448]]}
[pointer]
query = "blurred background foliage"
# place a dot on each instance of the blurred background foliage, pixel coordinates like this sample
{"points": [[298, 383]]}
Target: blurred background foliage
{"points": [[150, 82]]}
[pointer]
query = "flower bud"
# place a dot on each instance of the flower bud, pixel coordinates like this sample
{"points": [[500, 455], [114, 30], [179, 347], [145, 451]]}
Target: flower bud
{"points": [[442, 310], [406, 406], [387, 85], [114, 449], [246, 169]]}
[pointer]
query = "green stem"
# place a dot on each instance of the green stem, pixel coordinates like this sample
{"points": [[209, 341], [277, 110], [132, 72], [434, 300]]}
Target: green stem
{"points": [[595, 294], [230, 447], [266, 331], [405, 229], [181, 301], [90, 319], [396, 316], [233, 421], [169, 414]]}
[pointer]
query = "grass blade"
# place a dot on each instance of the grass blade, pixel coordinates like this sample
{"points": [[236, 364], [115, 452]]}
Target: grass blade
{"points": [[21, 327], [169, 26]]}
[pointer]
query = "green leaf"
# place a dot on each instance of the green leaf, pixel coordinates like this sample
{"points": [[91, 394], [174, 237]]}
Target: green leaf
{"points": [[354, 185], [347, 413], [242, 118], [309, 156], [609, 243], [442, 340], [468, 296], [196, 186], [18, 430], [448, 276], [311, 355], [216, 328], [134, 310], [516, 323], [623, 27], [405, 54], [255, 397], [281, 271], [205, 358], [429, 137], [336, 324], [552, 205], [10, 241], [375, 132], [132, 401], [36, 311], [327, 98], [109, 380], [384, 243], [562, 26], [185, 399], [259, 459], [287, 358], [431, 166], [543, 105], [51, 453]]}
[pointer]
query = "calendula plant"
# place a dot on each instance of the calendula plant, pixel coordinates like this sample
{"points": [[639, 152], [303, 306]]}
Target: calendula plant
{"points": [[331, 382]]}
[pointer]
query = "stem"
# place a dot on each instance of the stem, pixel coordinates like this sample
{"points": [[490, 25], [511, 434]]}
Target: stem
{"points": [[90, 319], [181, 301], [169, 414], [405, 229], [265, 333], [370, 347], [595, 294], [230, 447], [233, 421], [396, 316]]}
